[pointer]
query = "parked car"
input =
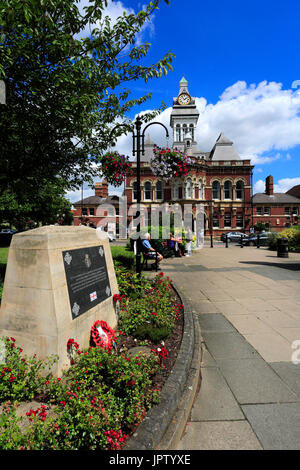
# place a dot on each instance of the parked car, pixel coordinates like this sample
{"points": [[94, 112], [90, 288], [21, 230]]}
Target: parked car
{"points": [[8, 230], [252, 239], [111, 237], [233, 236], [6, 236]]}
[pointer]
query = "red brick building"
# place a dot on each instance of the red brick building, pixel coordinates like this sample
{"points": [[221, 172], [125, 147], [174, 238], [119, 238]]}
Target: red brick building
{"points": [[219, 179], [276, 210], [100, 209]]}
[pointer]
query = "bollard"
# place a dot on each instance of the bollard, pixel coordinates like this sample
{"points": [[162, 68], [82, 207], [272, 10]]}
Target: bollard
{"points": [[258, 241], [242, 245], [211, 241], [226, 240]]}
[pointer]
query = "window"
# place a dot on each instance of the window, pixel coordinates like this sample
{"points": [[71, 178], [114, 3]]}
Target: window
{"points": [[192, 130], [259, 211], [84, 211], [239, 190], [240, 220], [295, 210], [227, 190], [287, 211], [216, 190], [134, 191], [147, 191], [159, 190], [184, 130], [92, 211], [216, 221], [227, 220], [189, 189], [200, 189], [266, 210], [175, 190], [178, 133]]}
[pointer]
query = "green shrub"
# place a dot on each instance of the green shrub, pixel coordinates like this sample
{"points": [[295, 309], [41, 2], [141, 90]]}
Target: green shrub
{"points": [[156, 308], [97, 401], [150, 332], [291, 233], [20, 377]]}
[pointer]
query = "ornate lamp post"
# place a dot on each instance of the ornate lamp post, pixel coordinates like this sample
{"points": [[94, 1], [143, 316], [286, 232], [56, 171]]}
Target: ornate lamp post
{"points": [[138, 147]]}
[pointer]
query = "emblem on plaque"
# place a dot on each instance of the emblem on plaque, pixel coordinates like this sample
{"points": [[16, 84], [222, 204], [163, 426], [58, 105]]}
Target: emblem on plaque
{"points": [[87, 261], [75, 309], [93, 296], [101, 251], [107, 290], [68, 258]]}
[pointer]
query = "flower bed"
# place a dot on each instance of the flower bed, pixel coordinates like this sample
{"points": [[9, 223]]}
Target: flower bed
{"points": [[106, 393]]}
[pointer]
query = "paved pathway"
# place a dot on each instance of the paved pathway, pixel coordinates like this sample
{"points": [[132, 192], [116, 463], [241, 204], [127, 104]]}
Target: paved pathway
{"points": [[248, 302]]}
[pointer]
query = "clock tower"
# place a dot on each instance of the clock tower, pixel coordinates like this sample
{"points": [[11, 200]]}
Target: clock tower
{"points": [[183, 120]]}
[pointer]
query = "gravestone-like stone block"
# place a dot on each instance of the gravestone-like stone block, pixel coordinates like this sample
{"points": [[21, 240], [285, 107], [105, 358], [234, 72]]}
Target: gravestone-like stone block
{"points": [[58, 282]]}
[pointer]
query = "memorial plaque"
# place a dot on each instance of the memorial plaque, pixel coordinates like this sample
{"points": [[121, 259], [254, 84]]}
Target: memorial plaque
{"points": [[87, 278]]}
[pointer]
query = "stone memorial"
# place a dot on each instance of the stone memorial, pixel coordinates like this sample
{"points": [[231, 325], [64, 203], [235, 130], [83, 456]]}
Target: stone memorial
{"points": [[59, 280]]}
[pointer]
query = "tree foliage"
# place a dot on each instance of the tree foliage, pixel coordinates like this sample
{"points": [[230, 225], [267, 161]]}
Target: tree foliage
{"points": [[65, 89]]}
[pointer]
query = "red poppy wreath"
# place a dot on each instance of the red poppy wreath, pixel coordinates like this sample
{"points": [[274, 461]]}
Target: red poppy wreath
{"points": [[103, 335]]}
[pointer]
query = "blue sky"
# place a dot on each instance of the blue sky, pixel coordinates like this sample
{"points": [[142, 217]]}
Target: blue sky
{"points": [[241, 60]]}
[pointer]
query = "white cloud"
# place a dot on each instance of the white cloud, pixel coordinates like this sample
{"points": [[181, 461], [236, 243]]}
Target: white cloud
{"points": [[114, 10], [259, 187], [259, 119], [285, 184]]}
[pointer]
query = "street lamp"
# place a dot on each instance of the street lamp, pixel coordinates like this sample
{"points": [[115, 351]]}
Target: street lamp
{"points": [[138, 147]]}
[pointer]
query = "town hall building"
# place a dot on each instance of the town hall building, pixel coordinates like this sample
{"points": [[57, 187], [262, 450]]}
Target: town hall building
{"points": [[220, 180]]}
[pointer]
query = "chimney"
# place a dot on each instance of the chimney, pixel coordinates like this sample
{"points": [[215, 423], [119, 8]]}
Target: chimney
{"points": [[269, 185], [101, 189]]}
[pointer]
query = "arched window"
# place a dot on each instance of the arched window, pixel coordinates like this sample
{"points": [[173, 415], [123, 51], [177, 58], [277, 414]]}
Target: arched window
{"points": [[175, 190], [189, 189], [147, 191], [200, 186], [239, 190], [134, 191], [227, 190], [184, 130], [216, 190], [178, 133], [159, 190]]}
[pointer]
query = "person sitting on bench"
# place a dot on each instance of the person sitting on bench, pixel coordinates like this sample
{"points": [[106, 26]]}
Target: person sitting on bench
{"points": [[149, 251], [174, 244]]}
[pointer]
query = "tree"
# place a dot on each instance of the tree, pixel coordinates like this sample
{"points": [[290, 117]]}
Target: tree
{"points": [[64, 90], [47, 206]]}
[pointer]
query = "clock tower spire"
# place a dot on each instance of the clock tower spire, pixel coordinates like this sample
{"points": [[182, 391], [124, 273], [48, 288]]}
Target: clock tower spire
{"points": [[184, 118]]}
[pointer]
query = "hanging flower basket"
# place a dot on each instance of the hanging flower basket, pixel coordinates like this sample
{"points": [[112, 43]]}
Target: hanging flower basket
{"points": [[103, 336], [115, 167], [168, 164]]}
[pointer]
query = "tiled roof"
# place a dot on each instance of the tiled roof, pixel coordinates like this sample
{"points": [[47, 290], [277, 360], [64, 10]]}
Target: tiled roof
{"points": [[280, 198]]}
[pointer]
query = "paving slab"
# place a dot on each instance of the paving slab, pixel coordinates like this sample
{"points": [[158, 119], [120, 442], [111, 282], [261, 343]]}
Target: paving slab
{"points": [[276, 425], [215, 401], [289, 373], [271, 346], [220, 435], [249, 323], [215, 322], [207, 359], [254, 381], [228, 346]]}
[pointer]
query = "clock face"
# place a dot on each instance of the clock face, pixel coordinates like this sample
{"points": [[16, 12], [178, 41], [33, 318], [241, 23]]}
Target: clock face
{"points": [[184, 98]]}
